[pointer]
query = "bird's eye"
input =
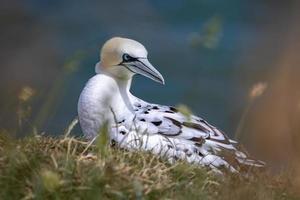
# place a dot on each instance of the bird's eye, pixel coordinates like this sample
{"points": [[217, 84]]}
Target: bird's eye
{"points": [[127, 58]]}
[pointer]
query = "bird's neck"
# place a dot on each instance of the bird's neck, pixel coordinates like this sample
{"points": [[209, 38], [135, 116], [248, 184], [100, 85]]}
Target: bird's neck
{"points": [[104, 99], [120, 84], [115, 92], [123, 95]]}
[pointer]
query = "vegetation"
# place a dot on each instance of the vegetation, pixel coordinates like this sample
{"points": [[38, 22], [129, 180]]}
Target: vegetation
{"points": [[66, 167], [42, 167]]}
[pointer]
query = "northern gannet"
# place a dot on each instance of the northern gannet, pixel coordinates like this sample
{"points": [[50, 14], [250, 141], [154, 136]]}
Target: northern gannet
{"points": [[135, 124]]}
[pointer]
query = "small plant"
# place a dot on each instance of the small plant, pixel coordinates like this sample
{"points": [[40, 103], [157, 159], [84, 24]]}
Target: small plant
{"points": [[256, 91]]}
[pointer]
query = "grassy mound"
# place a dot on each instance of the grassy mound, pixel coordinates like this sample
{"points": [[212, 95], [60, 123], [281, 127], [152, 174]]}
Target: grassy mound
{"points": [[40, 167]]}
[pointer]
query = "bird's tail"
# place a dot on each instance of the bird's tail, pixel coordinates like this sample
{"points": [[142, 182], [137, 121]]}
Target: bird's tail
{"points": [[246, 163], [240, 160]]}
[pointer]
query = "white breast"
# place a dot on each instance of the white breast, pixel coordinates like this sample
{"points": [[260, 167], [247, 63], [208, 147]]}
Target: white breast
{"points": [[99, 97]]}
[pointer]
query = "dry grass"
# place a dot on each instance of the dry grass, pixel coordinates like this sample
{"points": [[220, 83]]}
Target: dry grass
{"points": [[41, 167]]}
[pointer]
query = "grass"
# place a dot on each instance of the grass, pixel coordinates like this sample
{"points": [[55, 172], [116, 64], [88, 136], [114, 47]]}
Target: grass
{"points": [[42, 167]]}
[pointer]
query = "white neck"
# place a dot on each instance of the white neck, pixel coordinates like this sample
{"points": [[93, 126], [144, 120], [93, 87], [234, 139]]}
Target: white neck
{"points": [[103, 98]]}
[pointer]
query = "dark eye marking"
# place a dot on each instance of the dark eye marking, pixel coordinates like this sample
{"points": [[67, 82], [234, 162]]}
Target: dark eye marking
{"points": [[128, 58]]}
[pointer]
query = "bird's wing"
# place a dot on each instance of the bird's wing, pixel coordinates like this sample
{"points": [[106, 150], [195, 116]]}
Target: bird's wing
{"points": [[189, 136]]}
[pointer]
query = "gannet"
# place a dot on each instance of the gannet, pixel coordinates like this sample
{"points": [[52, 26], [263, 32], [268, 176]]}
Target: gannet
{"points": [[135, 124]]}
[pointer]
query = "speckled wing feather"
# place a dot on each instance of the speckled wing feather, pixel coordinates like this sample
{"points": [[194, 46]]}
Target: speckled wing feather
{"points": [[165, 131]]}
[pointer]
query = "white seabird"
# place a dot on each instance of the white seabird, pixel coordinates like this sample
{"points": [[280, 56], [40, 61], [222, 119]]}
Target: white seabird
{"points": [[135, 124]]}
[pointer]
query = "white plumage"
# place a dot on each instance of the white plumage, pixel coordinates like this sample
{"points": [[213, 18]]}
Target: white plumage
{"points": [[138, 125]]}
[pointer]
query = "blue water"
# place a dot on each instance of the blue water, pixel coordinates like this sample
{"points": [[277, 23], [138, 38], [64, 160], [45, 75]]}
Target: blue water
{"points": [[205, 79]]}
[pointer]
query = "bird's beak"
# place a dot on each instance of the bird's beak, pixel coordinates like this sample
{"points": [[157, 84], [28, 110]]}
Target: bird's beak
{"points": [[143, 66]]}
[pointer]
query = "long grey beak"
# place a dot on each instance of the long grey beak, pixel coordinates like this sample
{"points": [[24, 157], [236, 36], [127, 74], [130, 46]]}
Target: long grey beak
{"points": [[143, 66]]}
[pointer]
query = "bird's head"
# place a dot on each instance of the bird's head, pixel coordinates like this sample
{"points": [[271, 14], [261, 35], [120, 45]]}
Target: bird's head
{"points": [[122, 58]]}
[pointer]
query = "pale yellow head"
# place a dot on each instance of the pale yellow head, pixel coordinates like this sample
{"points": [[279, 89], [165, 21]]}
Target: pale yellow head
{"points": [[122, 57], [113, 50]]}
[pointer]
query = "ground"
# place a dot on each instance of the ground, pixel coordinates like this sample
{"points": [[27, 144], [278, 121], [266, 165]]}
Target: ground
{"points": [[44, 167]]}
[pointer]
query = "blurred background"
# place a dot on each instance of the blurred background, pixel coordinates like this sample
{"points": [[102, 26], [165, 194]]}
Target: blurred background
{"points": [[235, 63]]}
